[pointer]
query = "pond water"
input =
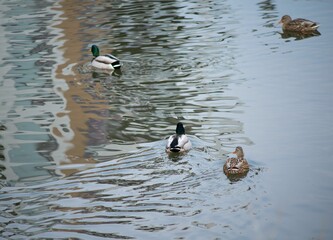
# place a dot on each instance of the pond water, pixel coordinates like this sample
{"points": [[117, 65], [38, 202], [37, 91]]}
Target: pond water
{"points": [[82, 151]]}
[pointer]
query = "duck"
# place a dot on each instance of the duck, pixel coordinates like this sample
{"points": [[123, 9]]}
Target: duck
{"points": [[236, 165], [298, 25], [179, 142], [108, 61]]}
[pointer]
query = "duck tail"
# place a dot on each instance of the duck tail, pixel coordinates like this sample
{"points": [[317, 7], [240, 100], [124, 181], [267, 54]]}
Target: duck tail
{"points": [[314, 27], [174, 145], [116, 64]]}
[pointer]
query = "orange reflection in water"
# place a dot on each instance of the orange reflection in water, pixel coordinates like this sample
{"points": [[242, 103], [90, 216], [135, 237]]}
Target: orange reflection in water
{"points": [[84, 112]]}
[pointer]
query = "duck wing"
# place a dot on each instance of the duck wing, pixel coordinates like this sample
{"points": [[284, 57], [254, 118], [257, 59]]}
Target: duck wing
{"points": [[184, 142], [304, 24], [108, 59], [177, 143], [230, 163], [170, 140], [172, 144]]}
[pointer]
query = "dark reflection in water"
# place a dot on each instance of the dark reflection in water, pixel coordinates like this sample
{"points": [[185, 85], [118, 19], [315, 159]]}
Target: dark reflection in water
{"points": [[2, 155], [299, 36], [82, 151], [269, 12]]}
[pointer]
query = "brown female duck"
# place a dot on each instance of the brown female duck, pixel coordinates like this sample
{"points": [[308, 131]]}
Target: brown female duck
{"points": [[237, 165], [298, 25]]}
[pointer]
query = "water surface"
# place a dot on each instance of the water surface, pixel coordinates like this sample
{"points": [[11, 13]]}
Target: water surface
{"points": [[82, 151]]}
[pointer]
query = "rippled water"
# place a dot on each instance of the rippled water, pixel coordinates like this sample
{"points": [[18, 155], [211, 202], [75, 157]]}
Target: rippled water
{"points": [[82, 151]]}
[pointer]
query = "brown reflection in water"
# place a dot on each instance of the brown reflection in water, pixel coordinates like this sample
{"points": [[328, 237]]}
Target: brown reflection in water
{"points": [[299, 36], [86, 112]]}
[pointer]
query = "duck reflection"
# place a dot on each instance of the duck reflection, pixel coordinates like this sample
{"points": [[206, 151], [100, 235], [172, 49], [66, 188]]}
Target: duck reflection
{"points": [[237, 177], [98, 73], [299, 35], [176, 157]]}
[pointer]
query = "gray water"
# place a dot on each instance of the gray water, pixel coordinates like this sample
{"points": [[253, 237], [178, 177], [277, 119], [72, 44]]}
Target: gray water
{"points": [[82, 151]]}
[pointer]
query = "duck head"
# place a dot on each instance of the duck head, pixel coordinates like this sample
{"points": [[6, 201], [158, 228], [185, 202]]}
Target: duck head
{"points": [[285, 19], [180, 129], [95, 50], [239, 152]]}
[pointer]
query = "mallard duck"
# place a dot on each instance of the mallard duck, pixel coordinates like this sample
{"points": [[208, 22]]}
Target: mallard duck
{"points": [[237, 165], [298, 24], [107, 61], [178, 142]]}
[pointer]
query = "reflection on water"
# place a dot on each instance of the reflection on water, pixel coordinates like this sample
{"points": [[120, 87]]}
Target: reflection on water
{"points": [[82, 151], [26, 93], [299, 36]]}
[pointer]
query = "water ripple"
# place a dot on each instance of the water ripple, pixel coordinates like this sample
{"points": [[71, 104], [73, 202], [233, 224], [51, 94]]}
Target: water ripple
{"points": [[117, 194], [84, 152]]}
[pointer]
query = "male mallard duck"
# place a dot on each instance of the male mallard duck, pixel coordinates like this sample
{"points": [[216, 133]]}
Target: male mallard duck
{"points": [[107, 61], [298, 24], [178, 142], [237, 165]]}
